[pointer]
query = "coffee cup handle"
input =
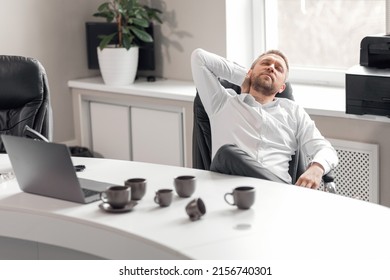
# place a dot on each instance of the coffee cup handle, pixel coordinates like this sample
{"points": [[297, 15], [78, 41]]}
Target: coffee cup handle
{"points": [[156, 199], [103, 197], [227, 201]]}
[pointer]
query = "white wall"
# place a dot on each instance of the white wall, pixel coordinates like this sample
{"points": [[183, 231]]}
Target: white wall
{"points": [[188, 24], [53, 32], [220, 26]]}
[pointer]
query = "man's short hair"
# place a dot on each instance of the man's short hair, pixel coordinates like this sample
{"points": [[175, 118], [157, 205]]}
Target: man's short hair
{"points": [[275, 52]]}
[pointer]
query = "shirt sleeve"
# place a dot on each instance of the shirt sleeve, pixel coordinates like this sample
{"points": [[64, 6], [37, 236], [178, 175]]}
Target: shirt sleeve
{"points": [[314, 144], [206, 69]]}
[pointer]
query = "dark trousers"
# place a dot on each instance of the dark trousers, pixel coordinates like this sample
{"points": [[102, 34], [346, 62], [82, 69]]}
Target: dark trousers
{"points": [[232, 160]]}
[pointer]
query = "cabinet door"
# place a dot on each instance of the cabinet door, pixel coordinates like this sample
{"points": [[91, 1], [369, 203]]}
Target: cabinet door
{"points": [[157, 136], [110, 129]]}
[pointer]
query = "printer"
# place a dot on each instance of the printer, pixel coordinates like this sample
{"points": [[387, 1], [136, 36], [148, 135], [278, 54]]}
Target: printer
{"points": [[367, 85]]}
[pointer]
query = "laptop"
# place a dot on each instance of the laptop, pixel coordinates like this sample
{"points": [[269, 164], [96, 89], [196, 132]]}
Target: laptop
{"points": [[46, 169]]}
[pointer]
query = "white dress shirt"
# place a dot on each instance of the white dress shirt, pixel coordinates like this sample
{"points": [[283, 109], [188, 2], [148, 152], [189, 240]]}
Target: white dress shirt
{"points": [[270, 133]]}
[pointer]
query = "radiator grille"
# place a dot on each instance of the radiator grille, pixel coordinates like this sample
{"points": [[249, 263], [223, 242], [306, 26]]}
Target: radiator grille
{"points": [[356, 175]]}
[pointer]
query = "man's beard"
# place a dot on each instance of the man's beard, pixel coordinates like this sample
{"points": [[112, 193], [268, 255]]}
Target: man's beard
{"points": [[266, 87]]}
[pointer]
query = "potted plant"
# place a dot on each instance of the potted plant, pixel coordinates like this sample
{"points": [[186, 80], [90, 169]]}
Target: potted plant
{"points": [[118, 62]]}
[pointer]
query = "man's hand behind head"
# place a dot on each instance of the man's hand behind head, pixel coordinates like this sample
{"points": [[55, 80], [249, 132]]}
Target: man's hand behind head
{"points": [[246, 85]]}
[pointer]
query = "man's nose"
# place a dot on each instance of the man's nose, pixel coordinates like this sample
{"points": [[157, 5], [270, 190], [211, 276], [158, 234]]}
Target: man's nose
{"points": [[271, 67]]}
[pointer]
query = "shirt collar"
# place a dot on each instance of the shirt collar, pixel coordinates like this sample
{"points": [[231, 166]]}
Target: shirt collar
{"points": [[251, 101]]}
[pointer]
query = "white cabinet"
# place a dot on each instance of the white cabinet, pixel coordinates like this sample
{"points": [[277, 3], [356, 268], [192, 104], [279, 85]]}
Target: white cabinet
{"points": [[148, 122], [157, 136], [110, 130]]}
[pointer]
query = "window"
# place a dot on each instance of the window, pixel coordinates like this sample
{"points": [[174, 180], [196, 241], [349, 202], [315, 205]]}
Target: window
{"points": [[321, 38]]}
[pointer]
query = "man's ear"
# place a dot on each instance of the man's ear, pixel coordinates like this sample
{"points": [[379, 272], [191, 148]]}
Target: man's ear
{"points": [[282, 88]]}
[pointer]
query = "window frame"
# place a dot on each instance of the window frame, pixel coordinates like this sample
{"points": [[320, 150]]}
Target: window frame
{"points": [[301, 75]]}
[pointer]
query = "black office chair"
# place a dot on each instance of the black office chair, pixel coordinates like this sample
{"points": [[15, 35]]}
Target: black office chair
{"points": [[201, 140], [24, 98]]}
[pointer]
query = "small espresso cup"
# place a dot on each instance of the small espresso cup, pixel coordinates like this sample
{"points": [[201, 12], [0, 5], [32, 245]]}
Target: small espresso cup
{"points": [[138, 187], [196, 209], [116, 196], [243, 197], [163, 197], [185, 185]]}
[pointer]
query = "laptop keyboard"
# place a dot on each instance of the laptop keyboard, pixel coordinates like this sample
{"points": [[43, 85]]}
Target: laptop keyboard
{"points": [[88, 193]]}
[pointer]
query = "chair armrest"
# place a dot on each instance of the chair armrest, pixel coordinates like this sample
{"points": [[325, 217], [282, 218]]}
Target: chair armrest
{"points": [[329, 185], [32, 133], [329, 177]]}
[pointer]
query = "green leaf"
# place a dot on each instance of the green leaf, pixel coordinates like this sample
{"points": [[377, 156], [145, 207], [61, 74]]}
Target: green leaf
{"points": [[141, 34], [141, 22], [134, 18], [127, 41], [142, 13], [105, 40], [122, 10], [154, 14], [130, 5], [104, 7], [125, 30]]}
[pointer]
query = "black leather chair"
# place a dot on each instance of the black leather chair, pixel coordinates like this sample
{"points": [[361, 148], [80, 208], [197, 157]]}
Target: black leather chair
{"points": [[24, 97], [201, 140]]}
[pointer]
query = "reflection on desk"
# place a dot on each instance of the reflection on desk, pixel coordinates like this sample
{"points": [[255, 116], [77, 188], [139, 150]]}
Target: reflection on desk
{"points": [[286, 222]]}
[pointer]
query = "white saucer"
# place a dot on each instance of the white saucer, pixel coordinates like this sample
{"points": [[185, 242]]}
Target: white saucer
{"points": [[106, 207]]}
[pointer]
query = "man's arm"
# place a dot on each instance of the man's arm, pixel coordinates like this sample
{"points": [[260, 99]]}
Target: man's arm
{"points": [[312, 177], [246, 84], [206, 69], [324, 157]]}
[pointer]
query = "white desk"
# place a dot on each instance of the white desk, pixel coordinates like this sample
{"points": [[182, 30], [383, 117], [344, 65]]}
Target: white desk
{"points": [[286, 222]]}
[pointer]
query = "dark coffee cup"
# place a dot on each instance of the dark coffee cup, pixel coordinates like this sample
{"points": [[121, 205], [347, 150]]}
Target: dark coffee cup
{"points": [[185, 185], [196, 209], [138, 187], [116, 196], [163, 197], [243, 197]]}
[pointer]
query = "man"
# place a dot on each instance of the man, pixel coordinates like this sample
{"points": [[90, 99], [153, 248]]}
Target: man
{"points": [[256, 132]]}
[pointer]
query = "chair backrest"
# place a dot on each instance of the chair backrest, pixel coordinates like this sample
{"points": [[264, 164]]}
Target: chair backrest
{"points": [[24, 97], [201, 137]]}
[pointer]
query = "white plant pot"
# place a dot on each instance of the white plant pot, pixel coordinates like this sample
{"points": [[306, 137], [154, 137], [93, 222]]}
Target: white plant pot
{"points": [[118, 66]]}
